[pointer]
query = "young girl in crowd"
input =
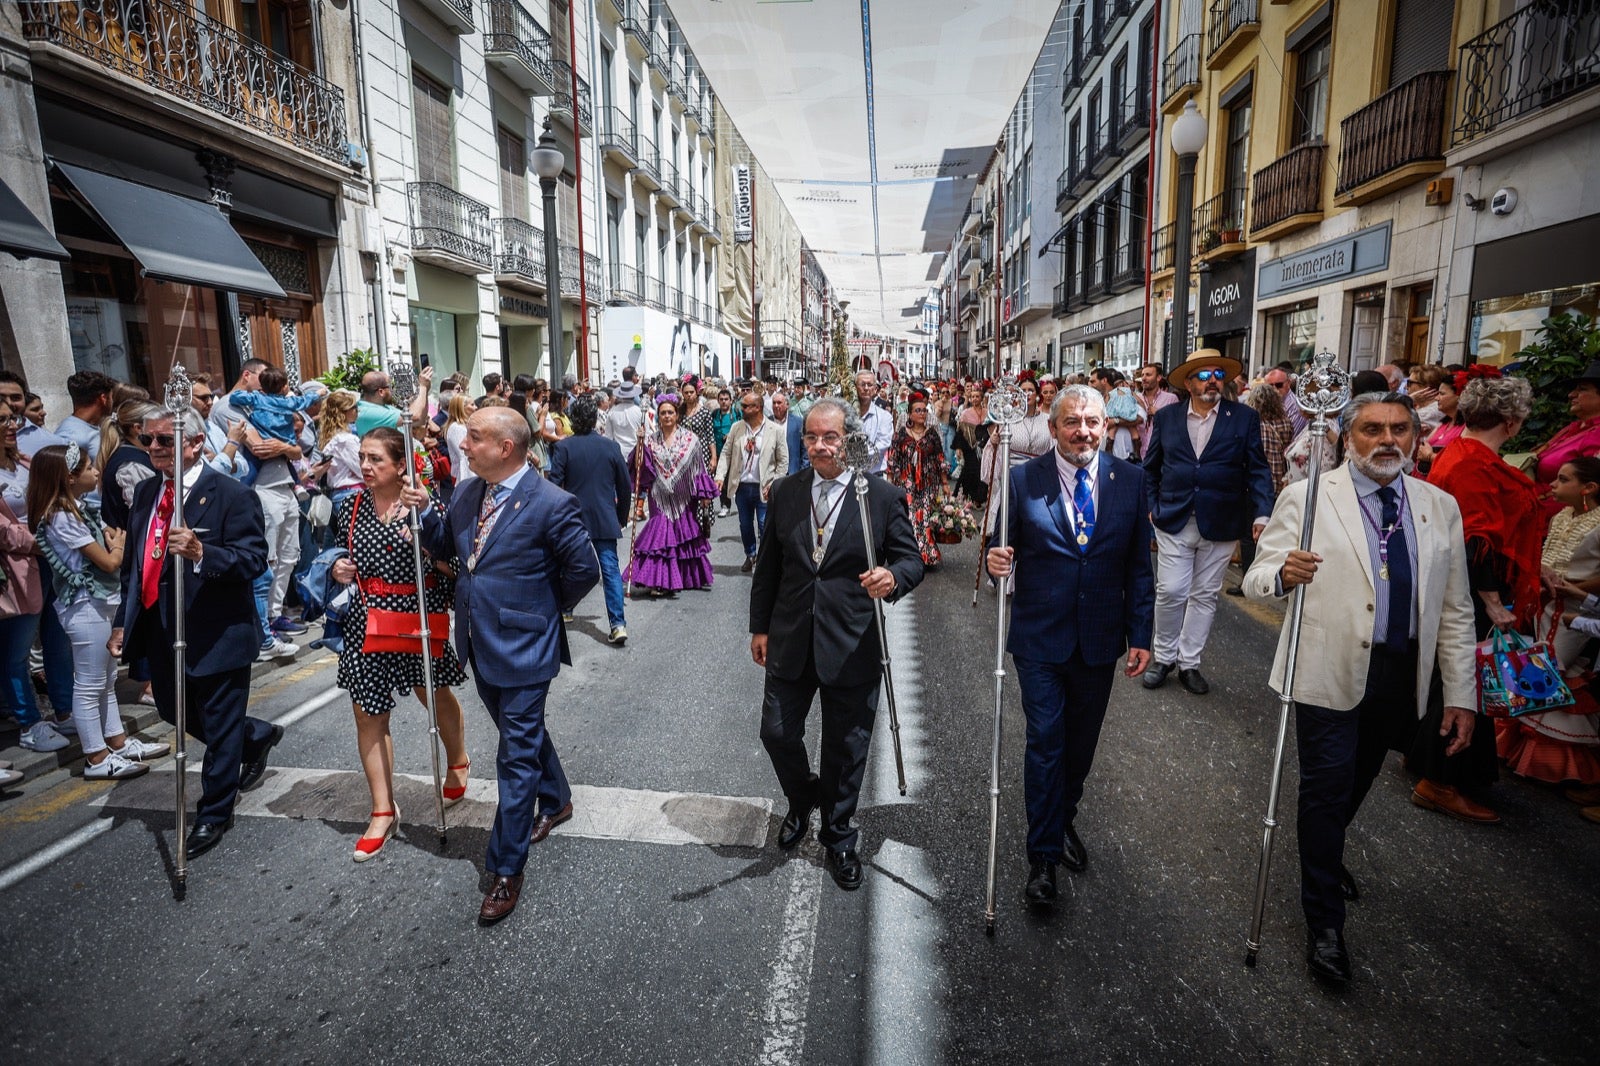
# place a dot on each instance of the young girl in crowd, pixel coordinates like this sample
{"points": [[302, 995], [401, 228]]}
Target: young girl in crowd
{"points": [[85, 558]]}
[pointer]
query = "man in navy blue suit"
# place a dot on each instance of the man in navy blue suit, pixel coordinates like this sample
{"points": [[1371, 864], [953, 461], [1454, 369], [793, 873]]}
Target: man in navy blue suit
{"points": [[1080, 550], [1209, 485], [591, 468], [795, 425], [526, 558]]}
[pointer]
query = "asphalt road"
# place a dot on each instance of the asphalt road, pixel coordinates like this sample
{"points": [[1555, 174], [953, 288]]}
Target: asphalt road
{"points": [[663, 926]]}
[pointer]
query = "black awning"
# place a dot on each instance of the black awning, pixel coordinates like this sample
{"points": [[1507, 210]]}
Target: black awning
{"points": [[1054, 237], [173, 237], [21, 234]]}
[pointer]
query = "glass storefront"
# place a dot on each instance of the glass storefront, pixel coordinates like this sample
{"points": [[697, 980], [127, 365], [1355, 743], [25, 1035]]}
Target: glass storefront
{"points": [[134, 328], [433, 334], [1503, 326], [1292, 335], [1122, 352]]}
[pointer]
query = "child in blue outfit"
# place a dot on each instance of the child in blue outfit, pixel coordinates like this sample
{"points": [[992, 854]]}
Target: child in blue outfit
{"points": [[271, 411]]}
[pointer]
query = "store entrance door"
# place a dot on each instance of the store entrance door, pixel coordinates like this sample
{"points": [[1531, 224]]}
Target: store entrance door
{"points": [[280, 331], [1366, 333]]}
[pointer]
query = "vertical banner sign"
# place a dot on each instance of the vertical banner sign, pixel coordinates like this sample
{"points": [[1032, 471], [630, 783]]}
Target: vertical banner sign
{"points": [[743, 222]]}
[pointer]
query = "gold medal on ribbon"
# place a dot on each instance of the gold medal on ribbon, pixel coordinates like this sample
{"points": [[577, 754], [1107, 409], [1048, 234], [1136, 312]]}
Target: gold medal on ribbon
{"points": [[1083, 538]]}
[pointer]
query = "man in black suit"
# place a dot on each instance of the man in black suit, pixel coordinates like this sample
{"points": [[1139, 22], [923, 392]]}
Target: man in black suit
{"points": [[224, 546], [812, 627], [1080, 547], [592, 468]]}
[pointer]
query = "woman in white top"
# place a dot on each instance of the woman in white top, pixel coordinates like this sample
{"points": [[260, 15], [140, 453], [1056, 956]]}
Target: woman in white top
{"points": [[85, 558], [455, 431], [339, 445]]}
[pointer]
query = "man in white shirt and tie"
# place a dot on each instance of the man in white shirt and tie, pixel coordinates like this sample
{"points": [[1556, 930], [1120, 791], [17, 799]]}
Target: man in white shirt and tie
{"points": [[876, 422]]}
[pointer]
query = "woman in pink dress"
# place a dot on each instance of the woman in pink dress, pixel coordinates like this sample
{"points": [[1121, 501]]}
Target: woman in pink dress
{"points": [[1580, 437]]}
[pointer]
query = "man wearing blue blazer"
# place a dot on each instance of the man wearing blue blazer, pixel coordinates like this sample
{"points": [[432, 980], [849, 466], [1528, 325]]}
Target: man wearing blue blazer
{"points": [[795, 424], [1209, 486], [525, 559], [1080, 550], [592, 468]]}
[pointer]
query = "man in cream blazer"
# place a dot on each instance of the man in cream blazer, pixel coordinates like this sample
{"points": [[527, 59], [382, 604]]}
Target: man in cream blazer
{"points": [[755, 454], [1386, 604]]}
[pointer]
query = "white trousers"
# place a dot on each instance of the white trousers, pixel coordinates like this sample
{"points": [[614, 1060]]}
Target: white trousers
{"points": [[1189, 572], [282, 513]]}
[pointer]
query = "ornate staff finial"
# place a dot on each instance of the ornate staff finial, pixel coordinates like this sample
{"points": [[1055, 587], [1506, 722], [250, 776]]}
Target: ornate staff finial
{"points": [[857, 452], [1325, 388], [402, 380], [178, 396], [1008, 405]]}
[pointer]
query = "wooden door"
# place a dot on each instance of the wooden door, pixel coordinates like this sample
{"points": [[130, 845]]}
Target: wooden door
{"points": [[1366, 331], [282, 333], [1417, 324]]}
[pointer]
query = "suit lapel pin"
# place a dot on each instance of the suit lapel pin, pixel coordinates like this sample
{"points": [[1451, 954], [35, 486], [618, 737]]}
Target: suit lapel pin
{"points": [[517, 506], [202, 503]]}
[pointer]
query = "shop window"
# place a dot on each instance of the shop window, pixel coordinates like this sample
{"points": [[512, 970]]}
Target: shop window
{"points": [[1503, 326], [433, 333], [1292, 335], [133, 328]]}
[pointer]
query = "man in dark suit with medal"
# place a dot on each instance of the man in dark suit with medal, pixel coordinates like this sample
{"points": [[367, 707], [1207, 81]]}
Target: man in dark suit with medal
{"points": [[528, 559], [813, 627], [225, 547], [1085, 593]]}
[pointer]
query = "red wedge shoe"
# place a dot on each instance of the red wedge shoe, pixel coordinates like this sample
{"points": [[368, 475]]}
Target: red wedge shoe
{"points": [[367, 847], [453, 796]]}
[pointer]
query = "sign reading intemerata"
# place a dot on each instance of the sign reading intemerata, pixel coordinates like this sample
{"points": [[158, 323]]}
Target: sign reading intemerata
{"points": [[1364, 252]]}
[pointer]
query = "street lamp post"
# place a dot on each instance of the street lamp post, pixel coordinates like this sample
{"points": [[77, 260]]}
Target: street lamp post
{"points": [[1188, 137], [755, 333], [548, 163]]}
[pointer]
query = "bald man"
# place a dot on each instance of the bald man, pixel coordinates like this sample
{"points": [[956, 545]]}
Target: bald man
{"points": [[526, 559]]}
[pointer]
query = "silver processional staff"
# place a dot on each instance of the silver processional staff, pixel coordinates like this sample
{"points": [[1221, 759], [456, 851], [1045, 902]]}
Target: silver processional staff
{"points": [[178, 399]]}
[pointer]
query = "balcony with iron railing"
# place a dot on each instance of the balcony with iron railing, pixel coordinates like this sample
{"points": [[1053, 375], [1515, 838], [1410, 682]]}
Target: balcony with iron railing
{"points": [[561, 104], [627, 285], [635, 23], [1107, 147], [1133, 120], [648, 170], [591, 277], [660, 57], [1058, 300], [668, 192], [1286, 194], [519, 252], [620, 7], [1065, 196], [448, 228], [516, 45], [1117, 12], [1394, 141], [1219, 225], [1234, 24], [1097, 285], [677, 80], [968, 304], [1082, 165], [1163, 243], [1127, 263], [618, 137], [199, 62], [1545, 54], [1180, 73]]}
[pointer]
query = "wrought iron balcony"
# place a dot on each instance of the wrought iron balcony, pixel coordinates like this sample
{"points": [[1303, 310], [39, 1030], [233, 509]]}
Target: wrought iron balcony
{"points": [[677, 80], [1097, 286], [1064, 194], [561, 105], [968, 304], [1546, 52], [668, 193], [1127, 264], [444, 221], [1162, 247], [660, 57], [620, 7], [1233, 24], [636, 21], [1219, 223], [1082, 166], [649, 162], [1117, 12], [1133, 120], [1058, 301], [618, 136], [1400, 135], [1107, 147], [570, 284], [1287, 193], [1180, 72], [519, 47], [627, 285], [519, 250], [455, 14], [168, 46]]}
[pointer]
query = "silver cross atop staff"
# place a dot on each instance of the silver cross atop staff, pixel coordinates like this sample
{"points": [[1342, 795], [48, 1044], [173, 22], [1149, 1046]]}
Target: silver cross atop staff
{"points": [[178, 396], [1322, 390], [1008, 404]]}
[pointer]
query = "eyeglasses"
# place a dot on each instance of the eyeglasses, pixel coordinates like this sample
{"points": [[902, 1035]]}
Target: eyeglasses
{"points": [[166, 440], [1280, 385], [204, 397], [1210, 375], [14, 421], [832, 440]]}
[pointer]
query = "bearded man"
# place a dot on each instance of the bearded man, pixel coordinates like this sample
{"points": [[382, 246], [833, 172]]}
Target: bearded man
{"points": [[1386, 607]]}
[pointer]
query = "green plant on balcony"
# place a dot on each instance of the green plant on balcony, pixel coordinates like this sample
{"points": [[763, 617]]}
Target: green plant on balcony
{"points": [[1567, 343], [1210, 238]]}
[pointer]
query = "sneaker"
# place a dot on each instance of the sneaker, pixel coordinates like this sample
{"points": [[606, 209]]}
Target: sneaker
{"points": [[113, 767], [286, 625], [723, 512], [9, 777], [619, 636], [65, 726], [136, 750], [42, 736], [277, 648]]}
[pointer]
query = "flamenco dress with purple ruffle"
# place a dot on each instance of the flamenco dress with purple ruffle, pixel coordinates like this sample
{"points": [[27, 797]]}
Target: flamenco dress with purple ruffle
{"points": [[672, 551]]}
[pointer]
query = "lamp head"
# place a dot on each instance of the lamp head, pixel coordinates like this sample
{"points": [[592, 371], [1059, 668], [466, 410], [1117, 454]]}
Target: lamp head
{"points": [[1189, 131], [546, 157], [760, 293]]}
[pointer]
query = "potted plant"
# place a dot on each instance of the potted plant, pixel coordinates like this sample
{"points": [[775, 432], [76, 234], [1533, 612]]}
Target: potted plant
{"points": [[1566, 344]]}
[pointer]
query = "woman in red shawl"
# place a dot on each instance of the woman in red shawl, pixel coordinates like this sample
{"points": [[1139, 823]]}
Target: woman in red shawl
{"points": [[1504, 526]]}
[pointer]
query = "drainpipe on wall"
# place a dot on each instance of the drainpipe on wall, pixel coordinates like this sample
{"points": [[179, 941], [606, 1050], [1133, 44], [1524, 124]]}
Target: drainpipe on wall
{"points": [[1150, 192], [380, 324]]}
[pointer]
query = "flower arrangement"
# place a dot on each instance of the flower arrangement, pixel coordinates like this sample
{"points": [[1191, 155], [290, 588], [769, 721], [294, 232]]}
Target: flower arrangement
{"points": [[952, 517]]}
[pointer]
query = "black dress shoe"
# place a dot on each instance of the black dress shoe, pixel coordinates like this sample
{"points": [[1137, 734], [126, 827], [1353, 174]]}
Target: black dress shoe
{"points": [[1041, 883], [1073, 854], [845, 866], [205, 836], [795, 825], [1193, 681], [1347, 884], [749, 564], [255, 762], [1156, 675], [1327, 957]]}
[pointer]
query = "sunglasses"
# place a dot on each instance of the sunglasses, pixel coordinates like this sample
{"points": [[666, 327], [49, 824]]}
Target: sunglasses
{"points": [[166, 440], [204, 397], [1210, 375]]}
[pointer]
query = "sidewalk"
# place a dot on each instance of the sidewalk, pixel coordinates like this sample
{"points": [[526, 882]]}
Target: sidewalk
{"points": [[138, 717]]}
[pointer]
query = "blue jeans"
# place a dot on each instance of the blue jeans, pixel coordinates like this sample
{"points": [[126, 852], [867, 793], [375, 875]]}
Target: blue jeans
{"points": [[262, 587], [752, 515], [611, 580], [57, 648], [16, 638]]}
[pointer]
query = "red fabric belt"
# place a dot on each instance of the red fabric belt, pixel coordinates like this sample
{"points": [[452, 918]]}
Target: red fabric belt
{"points": [[376, 586]]}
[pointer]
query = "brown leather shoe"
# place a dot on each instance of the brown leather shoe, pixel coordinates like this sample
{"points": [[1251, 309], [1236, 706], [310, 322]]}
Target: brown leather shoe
{"points": [[1583, 795], [500, 900], [1447, 800], [547, 821], [1591, 814]]}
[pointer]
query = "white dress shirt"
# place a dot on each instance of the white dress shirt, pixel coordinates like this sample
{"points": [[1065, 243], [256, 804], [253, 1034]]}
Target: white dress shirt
{"points": [[1068, 473], [878, 425], [1201, 425], [821, 508]]}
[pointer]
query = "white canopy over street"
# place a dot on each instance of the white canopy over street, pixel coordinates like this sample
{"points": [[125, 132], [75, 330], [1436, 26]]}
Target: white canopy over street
{"points": [[874, 118]]}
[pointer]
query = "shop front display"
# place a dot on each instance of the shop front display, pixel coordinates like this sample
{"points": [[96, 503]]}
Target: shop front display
{"points": [[1520, 281]]}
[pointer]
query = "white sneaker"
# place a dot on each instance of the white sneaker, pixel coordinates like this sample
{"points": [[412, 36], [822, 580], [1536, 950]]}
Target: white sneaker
{"points": [[9, 777], [136, 750], [722, 512], [113, 767], [65, 726], [277, 648], [42, 736]]}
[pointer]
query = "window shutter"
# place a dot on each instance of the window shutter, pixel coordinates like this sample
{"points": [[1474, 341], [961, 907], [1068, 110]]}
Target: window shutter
{"points": [[430, 105], [513, 173], [1421, 39]]}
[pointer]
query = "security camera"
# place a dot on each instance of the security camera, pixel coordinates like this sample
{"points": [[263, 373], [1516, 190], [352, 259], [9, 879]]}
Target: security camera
{"points": [[1504, 201]]}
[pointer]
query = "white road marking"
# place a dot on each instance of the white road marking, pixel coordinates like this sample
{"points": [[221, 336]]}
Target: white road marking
{"points": [[310, 707], [45, 856], [641, 816], [783, 1017]]}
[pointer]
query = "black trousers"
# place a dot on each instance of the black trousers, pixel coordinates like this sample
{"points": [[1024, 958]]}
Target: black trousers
{"points": [[216, 718], [1065, 706], [847, 714], [1341, 753]]}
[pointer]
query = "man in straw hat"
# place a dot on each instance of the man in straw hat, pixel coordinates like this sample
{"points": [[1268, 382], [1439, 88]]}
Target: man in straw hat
{"points": [[1209, 485]]}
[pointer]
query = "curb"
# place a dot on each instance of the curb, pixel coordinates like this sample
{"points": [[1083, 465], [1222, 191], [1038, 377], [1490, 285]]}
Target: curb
{"points": [[138, 717]]}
